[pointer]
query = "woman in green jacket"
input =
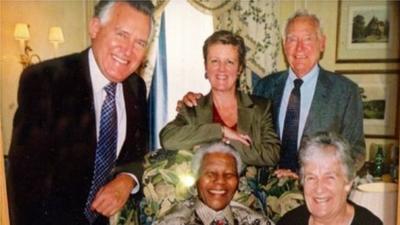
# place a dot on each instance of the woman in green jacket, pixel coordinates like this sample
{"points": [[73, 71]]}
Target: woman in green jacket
{"points": [[239, 119]]}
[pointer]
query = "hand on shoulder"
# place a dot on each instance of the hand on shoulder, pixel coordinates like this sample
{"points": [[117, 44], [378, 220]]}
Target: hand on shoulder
{"points": [[189, 100]]}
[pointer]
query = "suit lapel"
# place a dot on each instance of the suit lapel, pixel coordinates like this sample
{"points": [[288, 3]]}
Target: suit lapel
{"points": [[131, 108], [319, 104], [278, 94], [245, 112], [204, 110]]}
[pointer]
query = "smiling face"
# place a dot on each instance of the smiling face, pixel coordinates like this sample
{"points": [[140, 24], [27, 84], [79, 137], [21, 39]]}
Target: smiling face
{"points": [[218, 180], [222, 66], [119, 44], [303, 45], [325, 186]]}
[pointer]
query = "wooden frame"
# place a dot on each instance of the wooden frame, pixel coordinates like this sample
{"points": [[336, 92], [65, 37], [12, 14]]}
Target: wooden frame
{"points": [[380, 91], [368, 31]]}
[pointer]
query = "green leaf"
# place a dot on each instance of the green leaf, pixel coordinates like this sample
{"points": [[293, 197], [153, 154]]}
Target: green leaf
{"points": [[157, 179], [169, 176]]}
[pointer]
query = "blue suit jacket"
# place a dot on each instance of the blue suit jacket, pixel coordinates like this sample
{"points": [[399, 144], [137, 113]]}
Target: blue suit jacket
{"points": [[336, 107]]}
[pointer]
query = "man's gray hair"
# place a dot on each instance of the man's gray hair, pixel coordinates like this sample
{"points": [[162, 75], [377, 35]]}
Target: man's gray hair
{"points": [[103, 8], [304, 13], [316, 146], [215, 147]]}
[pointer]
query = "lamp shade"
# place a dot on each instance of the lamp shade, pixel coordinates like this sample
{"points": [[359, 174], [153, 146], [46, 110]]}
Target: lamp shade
{"points": [[21, 31], [56, 35], [379, 198]]}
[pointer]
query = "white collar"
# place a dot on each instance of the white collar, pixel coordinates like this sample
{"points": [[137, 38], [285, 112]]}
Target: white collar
{"points": [[99, 81]]}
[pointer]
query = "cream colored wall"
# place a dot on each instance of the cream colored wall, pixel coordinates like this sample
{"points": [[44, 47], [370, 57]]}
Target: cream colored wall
{"points": [[327, 11], [71, 16]]}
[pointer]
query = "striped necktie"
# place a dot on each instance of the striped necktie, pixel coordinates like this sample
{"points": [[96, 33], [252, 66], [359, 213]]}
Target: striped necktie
{"points": [[291, 129], [105, 150]]}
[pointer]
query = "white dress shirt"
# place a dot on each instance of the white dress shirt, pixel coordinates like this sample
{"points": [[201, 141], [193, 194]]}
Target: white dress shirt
{"points": [[99, 81]]}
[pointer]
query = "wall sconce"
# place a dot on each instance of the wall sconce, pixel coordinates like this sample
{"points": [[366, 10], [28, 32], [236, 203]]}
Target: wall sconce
{"points": [[56, 37], [21, 33]]}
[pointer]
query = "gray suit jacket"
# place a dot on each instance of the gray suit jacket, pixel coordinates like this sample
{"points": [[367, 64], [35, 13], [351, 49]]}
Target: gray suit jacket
{"points": [[336, 107], [194, 126]]}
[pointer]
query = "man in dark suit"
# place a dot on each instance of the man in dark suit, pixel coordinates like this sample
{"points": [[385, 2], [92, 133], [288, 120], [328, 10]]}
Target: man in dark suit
{"points": [[57, 125], [328, 102]]}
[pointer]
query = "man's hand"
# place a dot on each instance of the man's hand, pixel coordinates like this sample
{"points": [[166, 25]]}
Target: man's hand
{"points": [[190, 100], [230, 134], [113, 196], [280, 173]]}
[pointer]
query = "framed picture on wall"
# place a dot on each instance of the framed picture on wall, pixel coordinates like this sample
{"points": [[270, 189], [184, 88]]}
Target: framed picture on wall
{"points": [[368, 31], [380, 96]]}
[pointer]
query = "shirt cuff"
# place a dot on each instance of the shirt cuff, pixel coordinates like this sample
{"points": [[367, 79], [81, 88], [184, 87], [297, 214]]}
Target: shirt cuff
{"points": [[137, 186]]}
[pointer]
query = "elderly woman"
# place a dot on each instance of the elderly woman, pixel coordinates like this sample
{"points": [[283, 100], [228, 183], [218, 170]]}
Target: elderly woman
{"points": [[327, 172], [226, 114], [216, 167]]}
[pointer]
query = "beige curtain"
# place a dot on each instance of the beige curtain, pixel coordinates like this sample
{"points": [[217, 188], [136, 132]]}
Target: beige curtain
{"points": [[149, 62], [256, 22]]}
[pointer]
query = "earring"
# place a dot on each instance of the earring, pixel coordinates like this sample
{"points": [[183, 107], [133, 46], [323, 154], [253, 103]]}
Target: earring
{"points": [[205, 76]]}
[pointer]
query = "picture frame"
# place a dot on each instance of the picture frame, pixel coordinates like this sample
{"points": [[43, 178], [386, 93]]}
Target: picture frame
{"points": [[381, 96], [368, 31]]}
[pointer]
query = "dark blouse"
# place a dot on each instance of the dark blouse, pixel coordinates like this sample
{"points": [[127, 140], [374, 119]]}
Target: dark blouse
{"points": [[300, 216]]}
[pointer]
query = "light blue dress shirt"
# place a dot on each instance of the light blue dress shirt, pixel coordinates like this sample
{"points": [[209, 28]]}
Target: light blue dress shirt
{"points": [[307, 90]]}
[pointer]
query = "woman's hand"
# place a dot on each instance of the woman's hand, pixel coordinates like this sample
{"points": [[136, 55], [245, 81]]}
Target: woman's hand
{"points": [[229, 134]]}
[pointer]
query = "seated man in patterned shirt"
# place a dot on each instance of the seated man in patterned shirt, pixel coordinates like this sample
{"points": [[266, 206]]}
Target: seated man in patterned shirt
{"points": [[216, 167]]}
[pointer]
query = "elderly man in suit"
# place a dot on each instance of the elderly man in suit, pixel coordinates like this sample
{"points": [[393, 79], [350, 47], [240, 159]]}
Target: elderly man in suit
{"points": [[325, 101], [80, 131], [216, 167]]}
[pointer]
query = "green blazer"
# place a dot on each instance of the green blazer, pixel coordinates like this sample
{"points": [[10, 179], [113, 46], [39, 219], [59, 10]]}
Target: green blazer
{"points": [[336, 106], [194, 126]]}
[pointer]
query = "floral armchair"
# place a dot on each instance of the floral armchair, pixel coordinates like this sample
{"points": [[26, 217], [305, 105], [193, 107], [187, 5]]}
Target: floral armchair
{"points": [[167, 181]]}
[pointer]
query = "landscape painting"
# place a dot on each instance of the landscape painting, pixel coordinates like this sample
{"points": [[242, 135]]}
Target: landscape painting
{"points": [[368, 31], [373, 108], [370, 25], [380, 97]]}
